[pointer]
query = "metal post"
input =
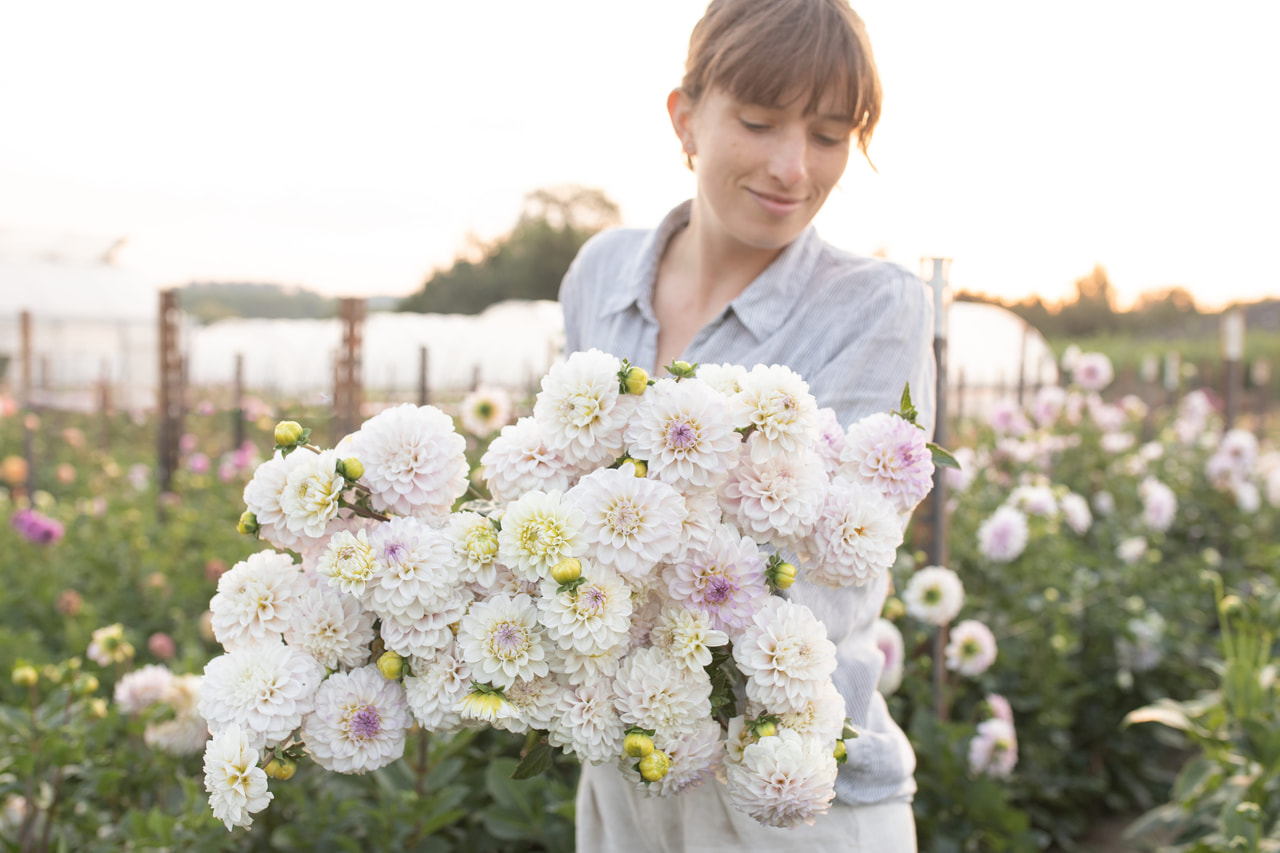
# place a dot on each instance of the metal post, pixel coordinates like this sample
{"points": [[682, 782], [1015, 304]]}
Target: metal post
{"points": [[1232, 354], [170, 402], [28, 444], [237, 403], [348, 388], [1172, 376], [1261, 377], [1022, 365], [424, 390], [938, 497]]}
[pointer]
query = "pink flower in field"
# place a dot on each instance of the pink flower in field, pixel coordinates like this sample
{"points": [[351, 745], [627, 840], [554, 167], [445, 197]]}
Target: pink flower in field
{"points": [[226, 472], [1006, 418], [214, 569], [36, 527], [69, 602], [205, 409], [972, 648], [1003, 537], [1048, 405], [1092, 371], [994, 750], [187, 443], [1000, 708], [161, 645], [66, 473]]}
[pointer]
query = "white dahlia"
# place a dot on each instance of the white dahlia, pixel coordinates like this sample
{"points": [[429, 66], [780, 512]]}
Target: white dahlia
{"points": [[519, 461], [725, 580], [785, 655], [1034, 500], [586, 723], [685, 434], [687, 636], [262, 496], [474, 540], [534, 703], [776, 401], [414, 462], [581, 410], [994, 750], [893, 455], [538, 531], [417, 571], [725, 378], [1003, 537], [855, 539], [778, 499], [502, 640], [186, 732], [831, 440], [578, 668], [423, 637], [700, 524], [631, 523], [255, 600], [1159, 504], [822, 716], [140, 689], [311, 491], [784, 780], [436, 686], [265, 689], [237, 786], [331, 627], [653, 691], [349, 562], [934, 595], [485, 411], [359, 723], [971, 648], [696, 754], [1075, 511], [591, 619]]}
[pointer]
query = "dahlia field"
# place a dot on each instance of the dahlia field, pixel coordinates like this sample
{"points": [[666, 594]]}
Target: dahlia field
{"points": [[1097, 642]]}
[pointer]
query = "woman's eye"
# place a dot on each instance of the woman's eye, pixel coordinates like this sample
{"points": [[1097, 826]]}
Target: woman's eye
{"points": [[754, 126], [825, 140]]}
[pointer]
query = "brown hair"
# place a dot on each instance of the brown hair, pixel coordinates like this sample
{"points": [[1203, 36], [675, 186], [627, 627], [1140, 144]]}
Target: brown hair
{"points": [[768, 52]]}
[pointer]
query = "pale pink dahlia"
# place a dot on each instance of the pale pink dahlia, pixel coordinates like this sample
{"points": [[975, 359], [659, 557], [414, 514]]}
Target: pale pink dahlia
{"points": [[994, 750], [414, 462], [632, 523], [684, 432], [777, 500], [652, 691], [892, 455], [855, 539], [1003, 537], [725, 580], [255, 600]]}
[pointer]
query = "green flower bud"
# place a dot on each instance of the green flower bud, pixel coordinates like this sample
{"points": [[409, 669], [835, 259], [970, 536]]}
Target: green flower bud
{"points": [[841, 752], [682, 369], [25, 675], [288, 433], [1231, 604], [765, 728], [350, 468], [248, 524], [391, 665], [781, 574], [894, 609], [654, 766], [281, 767], [635, 380], [637, 745], [87, 684], [567, 570]]}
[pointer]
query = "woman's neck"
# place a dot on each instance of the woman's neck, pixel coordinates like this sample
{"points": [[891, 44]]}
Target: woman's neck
{"points": [[716, 267]]}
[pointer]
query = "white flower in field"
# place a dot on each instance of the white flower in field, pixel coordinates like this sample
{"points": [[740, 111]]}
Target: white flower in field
{"points": [[423, 637], [725, 580], [776, 401], [586, 723], [959, 479], [1034, 500], [695, 756], [971, 648], [1003, 537], [1116, 442], [359, 723], [777, 500], [435, 687], [311, 490], [831, 440], [1092, 371], [502, 640], [1247, 496], [255, 600], [581, 410], [784, 780], [1159, 504], [414, 462], [474, 540], [725, 378], [687, 636], [331, 627], [237, 786], [417, 571], [265, 689], [262, 496], [631, 523], [785, 655], [592, 618], [888, 640], [349, 562], [994, 749], [1141, 651], [684, 432], [485, 411], [652, 691], [1104, 503], [892, 455], [1048, 405], [1131, 550], [1241, 447], [519, 460], [538, 531], [855, 539], [822, 716], [143, 687], [999, 707], [1075, 510], [534, 702], [934, 595], [186, 732]]}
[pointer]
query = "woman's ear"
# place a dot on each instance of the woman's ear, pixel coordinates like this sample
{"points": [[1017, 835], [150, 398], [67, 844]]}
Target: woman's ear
{"points": [[680, 108]]}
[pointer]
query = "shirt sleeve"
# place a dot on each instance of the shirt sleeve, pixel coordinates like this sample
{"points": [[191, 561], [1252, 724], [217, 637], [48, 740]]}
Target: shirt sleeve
{"points": [[571, 289]]}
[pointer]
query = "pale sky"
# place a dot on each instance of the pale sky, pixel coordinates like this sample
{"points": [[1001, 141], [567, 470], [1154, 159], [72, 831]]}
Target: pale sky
{"points": [[351, 148]]}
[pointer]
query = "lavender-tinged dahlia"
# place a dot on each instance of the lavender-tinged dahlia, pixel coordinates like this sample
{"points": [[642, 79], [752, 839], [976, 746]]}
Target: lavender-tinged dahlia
{"points": [[590, 619], [359, 722], [855, 539], [777, 500], [1003, 537], [831, 440], [684, 432], [423, 637], [519, 460], [416, 571], [502, 640], [414, 462], [255, 600], [725, 580], [631, 523], [893, 455], [889, 641], [1092, 371]]}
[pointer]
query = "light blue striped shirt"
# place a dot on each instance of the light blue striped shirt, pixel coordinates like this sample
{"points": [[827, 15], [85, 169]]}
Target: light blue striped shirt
{"points": [[857, 329]]}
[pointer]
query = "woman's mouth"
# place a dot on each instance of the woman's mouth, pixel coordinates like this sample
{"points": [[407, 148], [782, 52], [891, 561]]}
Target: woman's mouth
{"points": [[775, 204]]}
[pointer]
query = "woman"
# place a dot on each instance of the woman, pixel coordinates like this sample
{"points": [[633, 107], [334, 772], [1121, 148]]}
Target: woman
{"points": [[774, 94]]}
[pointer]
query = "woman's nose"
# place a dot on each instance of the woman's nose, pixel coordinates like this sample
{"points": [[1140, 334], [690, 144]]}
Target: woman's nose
{"points": [[787, 162]]}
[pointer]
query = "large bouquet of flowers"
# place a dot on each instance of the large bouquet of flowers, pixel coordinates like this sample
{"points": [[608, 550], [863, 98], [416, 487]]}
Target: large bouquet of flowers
{"points": [[615, 596]]}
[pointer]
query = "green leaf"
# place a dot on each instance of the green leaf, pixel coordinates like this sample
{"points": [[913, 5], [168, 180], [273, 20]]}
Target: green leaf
{"points": [[942, 457], [535, 762]]}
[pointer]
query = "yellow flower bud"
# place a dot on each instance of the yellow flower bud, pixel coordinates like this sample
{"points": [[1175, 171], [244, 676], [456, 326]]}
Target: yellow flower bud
{"points": [[25, 675], [248, 524], [351, 468], [842, 751], [87, 684], [894, 609], [391, 665], [654, 766], [288, 433], [783, 575], [636, 380], [567, 570], [641, 469], [637, 745], [765, 729], [98, 707], [281, 768]]}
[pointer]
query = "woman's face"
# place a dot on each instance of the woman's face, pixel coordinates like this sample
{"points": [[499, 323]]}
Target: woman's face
{"points": [[763, 173]]}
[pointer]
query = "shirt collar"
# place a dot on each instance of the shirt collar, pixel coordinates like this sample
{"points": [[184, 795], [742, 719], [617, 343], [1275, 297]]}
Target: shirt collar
{"points": [[762, 307]]}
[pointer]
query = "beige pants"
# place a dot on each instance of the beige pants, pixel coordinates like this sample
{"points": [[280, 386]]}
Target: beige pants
{"points": [[613, 818]]}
